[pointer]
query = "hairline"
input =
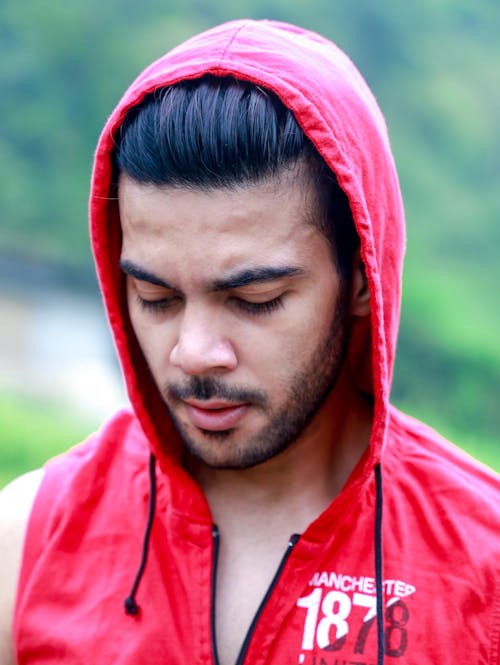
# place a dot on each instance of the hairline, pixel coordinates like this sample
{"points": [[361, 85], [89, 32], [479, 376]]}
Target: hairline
{"points": [[294, 170]]}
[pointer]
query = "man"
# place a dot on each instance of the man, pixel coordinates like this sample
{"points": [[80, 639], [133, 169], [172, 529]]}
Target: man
{"points": [[248, 235]]}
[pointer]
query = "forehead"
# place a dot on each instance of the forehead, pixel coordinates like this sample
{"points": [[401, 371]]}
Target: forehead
{"points": [[173, 228]]}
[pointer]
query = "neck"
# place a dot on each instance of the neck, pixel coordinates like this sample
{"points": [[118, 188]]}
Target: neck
{"points": [[297, 485]]}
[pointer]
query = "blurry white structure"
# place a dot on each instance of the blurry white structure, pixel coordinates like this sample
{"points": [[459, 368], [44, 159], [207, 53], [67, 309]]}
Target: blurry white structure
{"points": [[56, 345]]}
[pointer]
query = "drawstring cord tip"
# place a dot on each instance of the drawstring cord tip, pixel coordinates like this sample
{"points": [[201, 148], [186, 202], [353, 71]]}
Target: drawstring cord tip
{"points": [[131, 607]]}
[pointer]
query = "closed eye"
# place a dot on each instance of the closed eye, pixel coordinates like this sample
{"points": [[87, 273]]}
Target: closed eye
{"points": [[157, 306], [257, 308], [162, 305]]}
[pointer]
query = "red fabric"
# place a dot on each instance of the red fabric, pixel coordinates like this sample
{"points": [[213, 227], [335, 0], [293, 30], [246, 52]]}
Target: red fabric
{"points": [[441, 514]]}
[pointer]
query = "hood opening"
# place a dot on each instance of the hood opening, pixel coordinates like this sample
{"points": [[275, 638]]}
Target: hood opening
{"points": [[338, 113]]}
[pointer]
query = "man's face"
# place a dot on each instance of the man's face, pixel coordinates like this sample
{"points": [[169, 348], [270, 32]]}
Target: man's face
{"points": [[238, 309]]}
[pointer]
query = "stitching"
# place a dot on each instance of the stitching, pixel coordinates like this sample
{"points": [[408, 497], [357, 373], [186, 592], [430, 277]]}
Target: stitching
{"points": [[495, 633], [230, 43]]}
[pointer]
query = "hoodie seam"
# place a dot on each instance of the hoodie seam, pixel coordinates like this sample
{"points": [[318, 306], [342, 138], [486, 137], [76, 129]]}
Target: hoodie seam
{"points": [[495, 633], [231, 42]]}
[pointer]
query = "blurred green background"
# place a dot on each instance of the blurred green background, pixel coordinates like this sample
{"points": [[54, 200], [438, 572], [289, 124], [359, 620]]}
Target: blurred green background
{"points": [[435, 69]]}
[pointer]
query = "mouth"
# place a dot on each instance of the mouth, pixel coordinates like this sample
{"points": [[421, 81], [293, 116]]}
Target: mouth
{"points": [[215, 415]]}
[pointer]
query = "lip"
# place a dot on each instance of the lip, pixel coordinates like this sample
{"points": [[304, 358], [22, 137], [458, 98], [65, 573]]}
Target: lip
{"points": [[215, 415]]}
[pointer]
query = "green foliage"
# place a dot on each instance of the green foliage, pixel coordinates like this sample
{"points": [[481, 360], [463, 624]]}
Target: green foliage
{"points": [[32, 432], [433, 65]]}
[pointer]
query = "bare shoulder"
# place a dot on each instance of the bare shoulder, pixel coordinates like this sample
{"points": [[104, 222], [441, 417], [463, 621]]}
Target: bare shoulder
{"points": [[16, 501]]}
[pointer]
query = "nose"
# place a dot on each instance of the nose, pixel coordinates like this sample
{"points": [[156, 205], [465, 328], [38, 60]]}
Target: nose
{"points": [[201, 345]]}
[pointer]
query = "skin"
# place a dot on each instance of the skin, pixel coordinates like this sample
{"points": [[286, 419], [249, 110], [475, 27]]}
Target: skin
{"points": [[15, 506], [191, 258], [199, 329], [209, 339]]}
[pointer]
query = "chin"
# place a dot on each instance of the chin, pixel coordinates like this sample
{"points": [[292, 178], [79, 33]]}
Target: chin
{"points": [[219, 453]]}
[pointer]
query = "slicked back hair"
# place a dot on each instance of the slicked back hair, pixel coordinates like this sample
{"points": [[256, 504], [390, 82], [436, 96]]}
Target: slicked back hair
{"points": [[221, 132]]}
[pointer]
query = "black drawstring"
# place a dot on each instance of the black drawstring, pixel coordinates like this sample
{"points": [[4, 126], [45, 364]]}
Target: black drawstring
{"points": [[131, 606], [378, 566]]}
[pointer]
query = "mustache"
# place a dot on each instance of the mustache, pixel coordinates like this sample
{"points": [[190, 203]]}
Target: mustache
{"points": [[205, 388]]}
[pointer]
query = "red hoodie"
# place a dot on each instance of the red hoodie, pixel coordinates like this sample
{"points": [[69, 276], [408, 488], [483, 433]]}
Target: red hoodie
{"points": [[433, 560]]}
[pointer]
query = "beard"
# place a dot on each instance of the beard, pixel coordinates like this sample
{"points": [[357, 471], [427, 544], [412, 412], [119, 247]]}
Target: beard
{"points": [[303, 396]]}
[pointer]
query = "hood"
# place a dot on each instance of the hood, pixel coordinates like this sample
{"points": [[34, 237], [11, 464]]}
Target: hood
{"points": [[339, 114]]}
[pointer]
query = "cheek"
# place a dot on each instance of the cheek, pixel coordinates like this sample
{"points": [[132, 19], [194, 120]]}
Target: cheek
{"points": [[271, 356], [153, 341], [297, 347], [288, 340]]}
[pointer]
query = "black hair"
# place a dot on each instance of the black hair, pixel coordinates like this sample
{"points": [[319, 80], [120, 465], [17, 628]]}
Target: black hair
{"points": [[221, 132]]}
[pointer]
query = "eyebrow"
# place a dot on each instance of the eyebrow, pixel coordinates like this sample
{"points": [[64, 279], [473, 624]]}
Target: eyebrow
{"points": [[142, 275], [235, 281], [254, 276]]}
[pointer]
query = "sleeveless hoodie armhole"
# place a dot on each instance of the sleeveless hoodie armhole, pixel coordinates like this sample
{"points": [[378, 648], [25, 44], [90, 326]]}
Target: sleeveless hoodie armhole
{"points": [[35, 535]]}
